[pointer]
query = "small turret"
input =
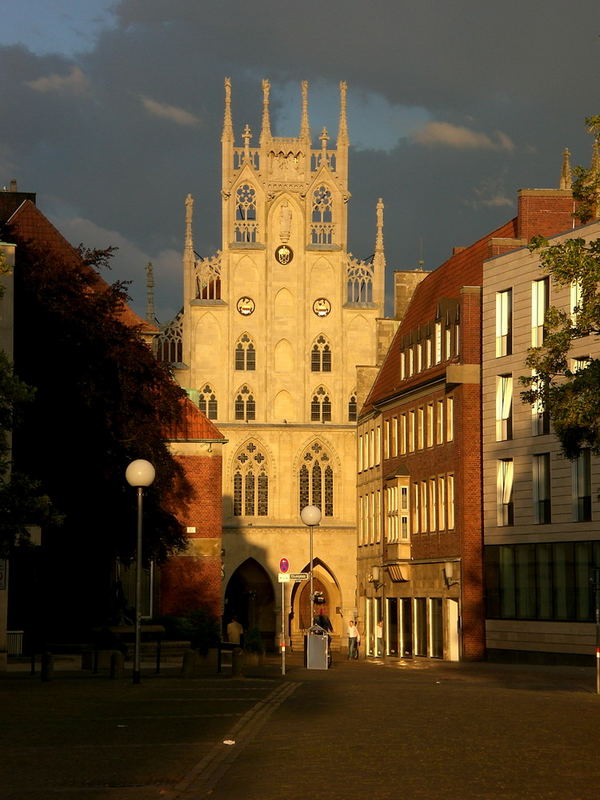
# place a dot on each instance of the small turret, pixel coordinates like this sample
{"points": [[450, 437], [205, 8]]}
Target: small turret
{"points": [[565, 175]]}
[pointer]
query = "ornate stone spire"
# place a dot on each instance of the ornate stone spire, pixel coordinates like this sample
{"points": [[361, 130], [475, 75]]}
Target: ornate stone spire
{"points": [[324, 137], [227, 135], [246, 136], [188, 248], [379, 236], [266, 120], [343, 126], [150, 313], [565, 175], [304, 126]]}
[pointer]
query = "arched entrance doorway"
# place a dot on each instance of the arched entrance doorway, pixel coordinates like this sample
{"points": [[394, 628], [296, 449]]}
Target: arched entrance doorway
{"points": [[324, 585], [249, 596]]}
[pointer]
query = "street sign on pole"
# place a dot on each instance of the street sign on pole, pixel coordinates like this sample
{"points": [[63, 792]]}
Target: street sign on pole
{"points": [[284, 565], [283, 577], [298, 576]]}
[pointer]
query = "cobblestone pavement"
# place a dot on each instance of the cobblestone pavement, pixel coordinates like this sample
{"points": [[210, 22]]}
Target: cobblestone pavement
{"points": [[421, 730]]}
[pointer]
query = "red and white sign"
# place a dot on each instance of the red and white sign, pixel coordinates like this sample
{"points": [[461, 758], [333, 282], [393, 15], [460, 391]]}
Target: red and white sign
{"points": [[284, 565]]}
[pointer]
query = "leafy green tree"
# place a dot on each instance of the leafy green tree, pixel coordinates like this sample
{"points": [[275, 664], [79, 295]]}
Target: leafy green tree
{"points": [[21, 501], [101, 401], [586, 182], [571, 398]]}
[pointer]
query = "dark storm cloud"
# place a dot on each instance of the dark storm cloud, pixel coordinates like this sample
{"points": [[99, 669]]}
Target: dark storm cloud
{"points": [[113, 139]]}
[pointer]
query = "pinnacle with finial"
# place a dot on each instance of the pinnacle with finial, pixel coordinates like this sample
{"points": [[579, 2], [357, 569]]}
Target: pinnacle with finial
{"points": [[189, 242], [266, 120], [565, 176], [227, 135], [379, 236], [304, 126], [150, 313], [343, 125]]}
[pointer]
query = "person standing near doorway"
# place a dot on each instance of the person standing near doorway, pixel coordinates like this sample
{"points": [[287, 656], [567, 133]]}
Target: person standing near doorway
{"points": [[234, 631], [353, 640], [379, 639]]}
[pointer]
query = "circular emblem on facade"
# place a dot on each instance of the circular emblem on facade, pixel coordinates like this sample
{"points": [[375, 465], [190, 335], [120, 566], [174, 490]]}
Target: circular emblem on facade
{"points": [[284, 254], [245, 306], [321, 306]]}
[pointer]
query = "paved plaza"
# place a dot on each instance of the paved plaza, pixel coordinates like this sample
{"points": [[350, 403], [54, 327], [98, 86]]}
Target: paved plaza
{"points": [[421, 730]]}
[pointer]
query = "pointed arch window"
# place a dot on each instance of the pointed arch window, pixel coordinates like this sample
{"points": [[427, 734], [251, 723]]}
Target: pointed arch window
{"points": [[245, 354], [320, 356], [316, 480], [245, 407], [320, 406], [352, 408], [322, 217], [359, 278], [207, 401], [245, 214], [250, 482]]}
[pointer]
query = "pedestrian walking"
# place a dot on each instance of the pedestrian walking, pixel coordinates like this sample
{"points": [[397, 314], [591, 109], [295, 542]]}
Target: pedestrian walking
{"points": [[353, 639], [379, 639]]}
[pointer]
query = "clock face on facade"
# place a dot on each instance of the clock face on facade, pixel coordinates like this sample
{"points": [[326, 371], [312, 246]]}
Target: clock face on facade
{"points": [[321, 306], [245, 306], [284, 254]]}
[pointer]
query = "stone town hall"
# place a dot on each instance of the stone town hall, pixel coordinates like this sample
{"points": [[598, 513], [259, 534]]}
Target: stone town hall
{"points": [[274, 329]]}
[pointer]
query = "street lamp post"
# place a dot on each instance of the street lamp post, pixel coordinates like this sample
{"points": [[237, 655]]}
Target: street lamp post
{"points": [[311, 517], [139, 474]]}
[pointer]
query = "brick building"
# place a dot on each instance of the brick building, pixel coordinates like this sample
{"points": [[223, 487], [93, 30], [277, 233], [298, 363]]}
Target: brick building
{"points": [[420, 548]]}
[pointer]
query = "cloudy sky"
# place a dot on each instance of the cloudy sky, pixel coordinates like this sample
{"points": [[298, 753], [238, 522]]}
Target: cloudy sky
{"points": [[112, 113]]}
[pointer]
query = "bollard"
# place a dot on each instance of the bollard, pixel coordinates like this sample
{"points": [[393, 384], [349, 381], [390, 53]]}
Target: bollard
{"points": [[47, 669], [190, 661], [117, 664], [237, 662]]}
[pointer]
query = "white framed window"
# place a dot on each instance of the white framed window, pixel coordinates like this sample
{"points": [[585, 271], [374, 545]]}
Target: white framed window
{"points": [[412, 430], [429, 425], [424, 508], [503, 323], [504, 486], [386, 439], [411, 362], [504, 390], [581, 478], [539, 306], [378, 446], [438, 341], [439, 422], [360, 453], [416, 512], [574, 300], [395, 437], [450, 418], [450, 501], [540, 419], [441, 484], [420, 428], [541, 488], [428, 352], [432, 504], [403, 434], [402, 365]]}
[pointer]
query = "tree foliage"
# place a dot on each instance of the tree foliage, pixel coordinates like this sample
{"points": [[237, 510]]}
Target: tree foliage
{"points": [[22, 503], [586, 182], [572, 398], [101, 401]]}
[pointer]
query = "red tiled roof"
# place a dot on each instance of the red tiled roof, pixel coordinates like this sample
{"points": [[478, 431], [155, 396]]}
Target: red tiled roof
{"points": [[465, 268], [194, 425], [29, 225]]}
